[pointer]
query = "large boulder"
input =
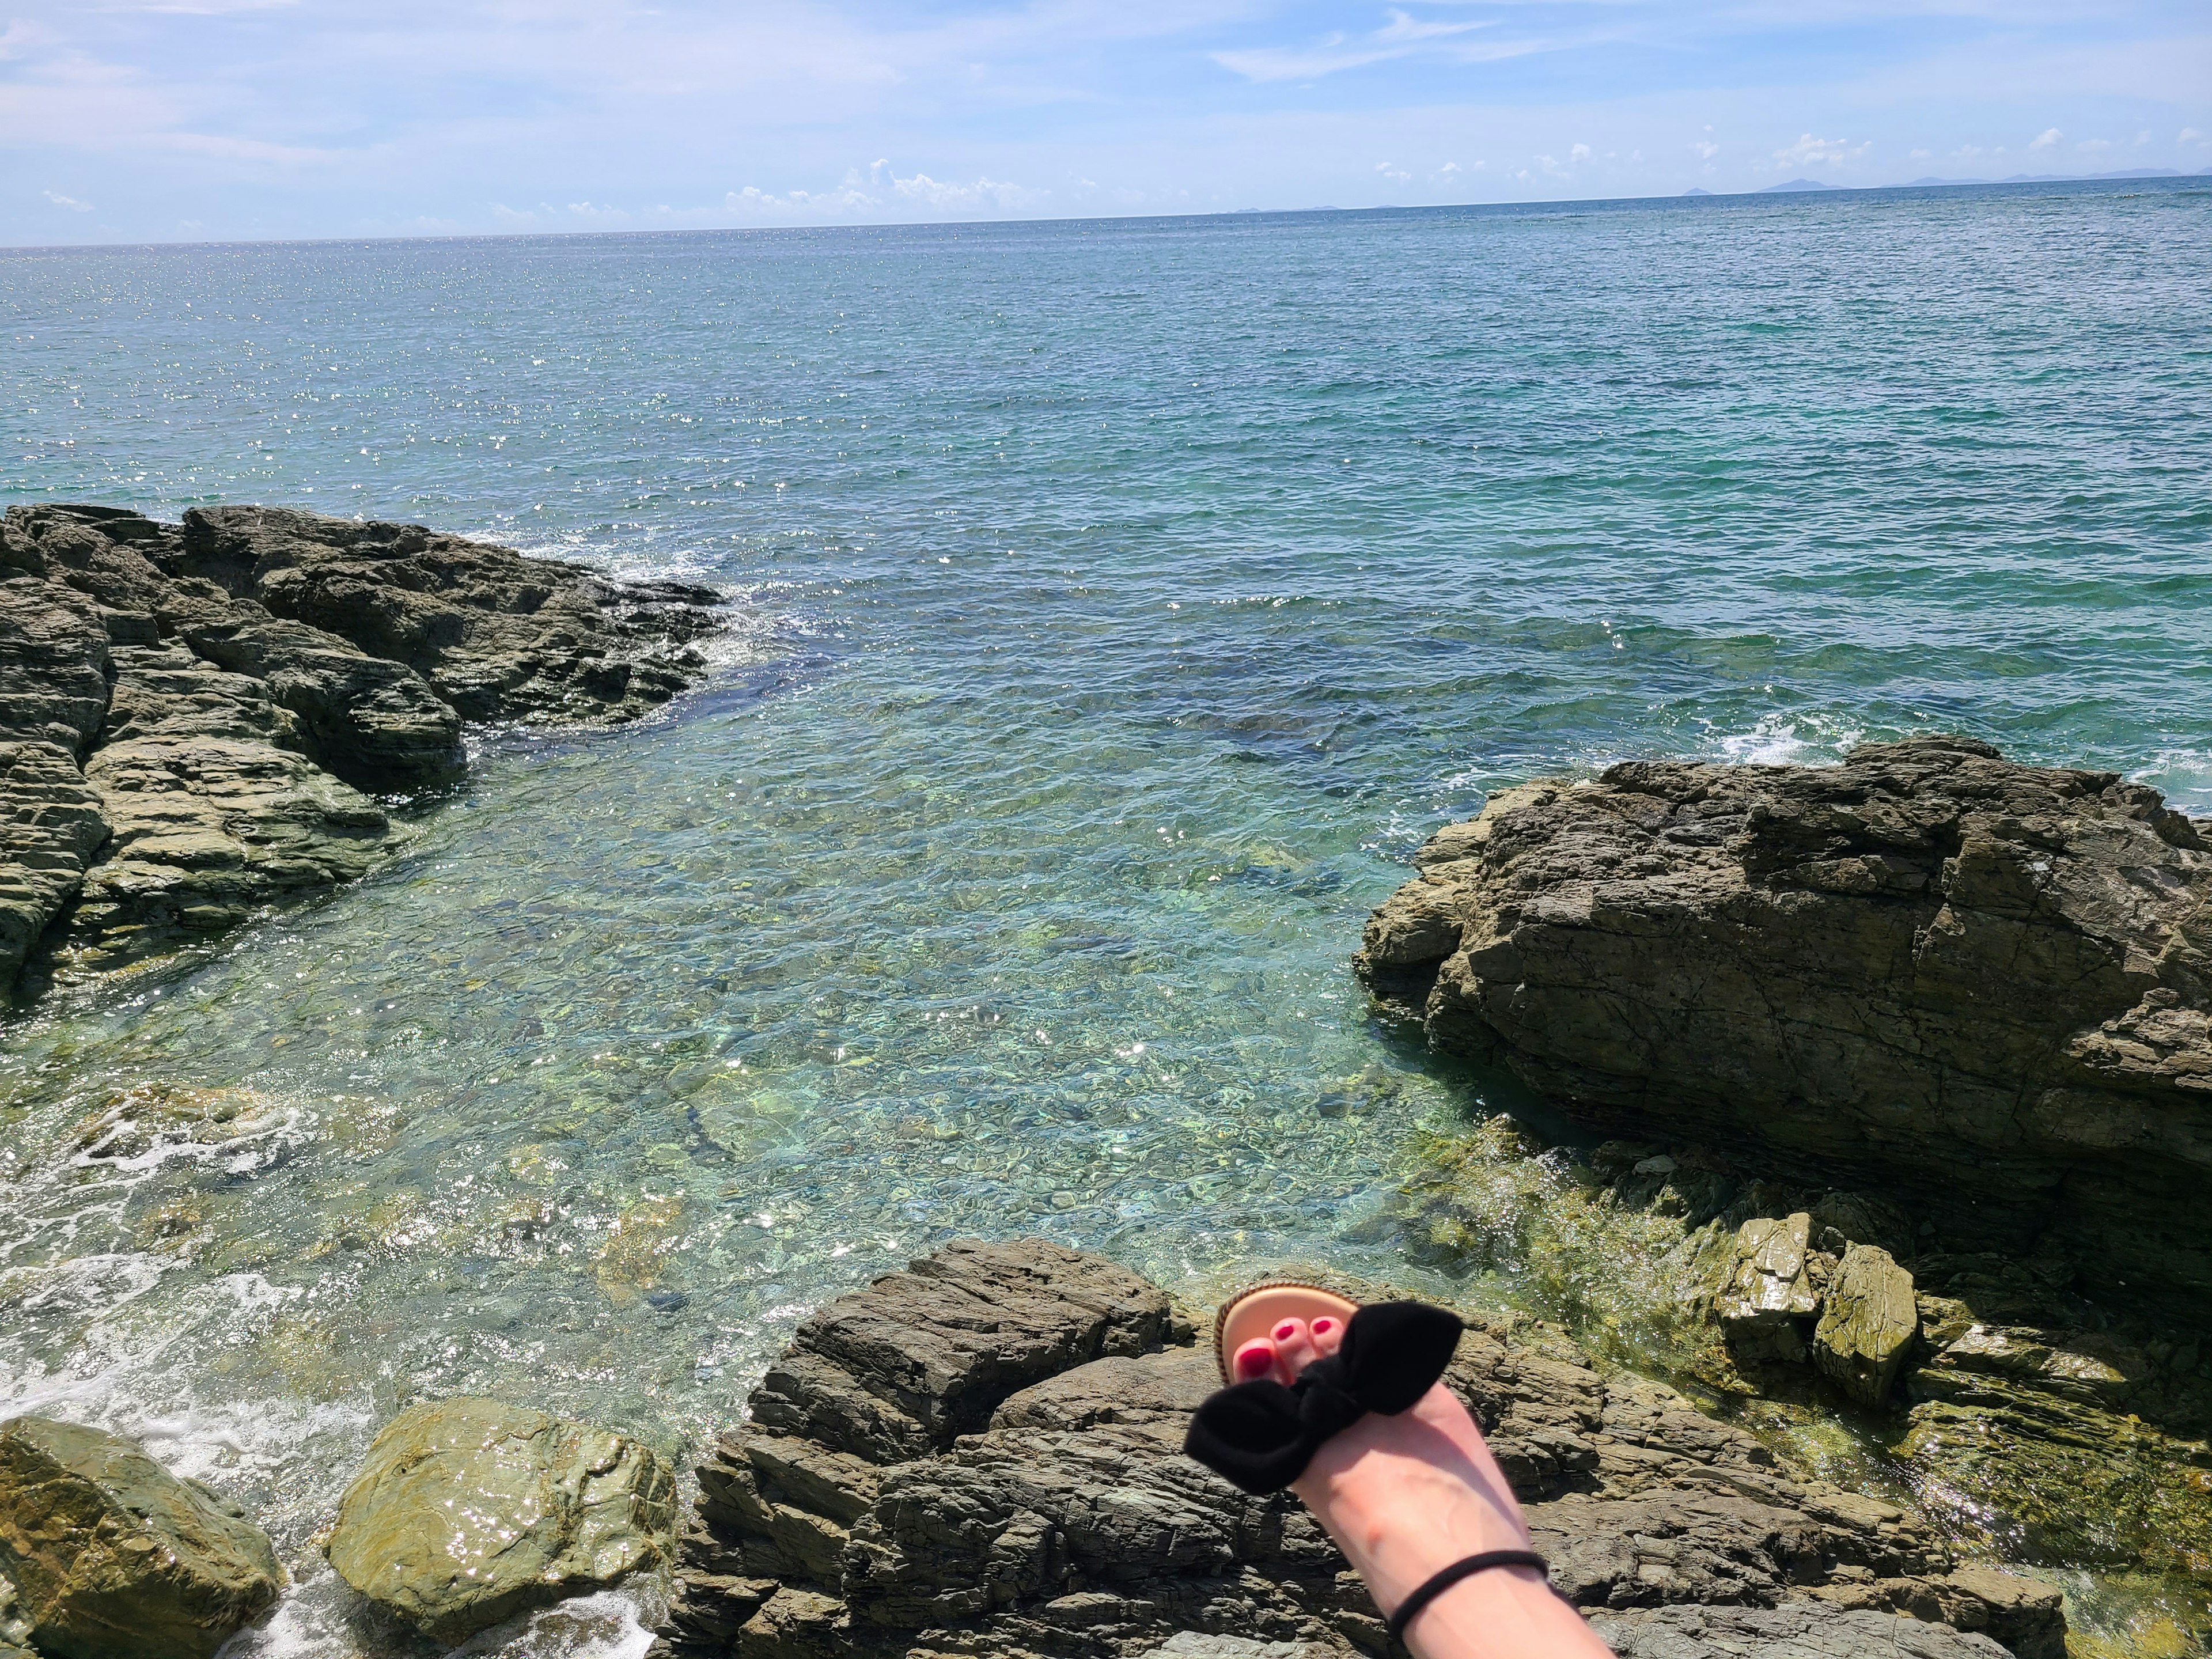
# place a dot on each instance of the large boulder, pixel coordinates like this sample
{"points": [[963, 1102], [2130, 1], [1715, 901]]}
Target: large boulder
{"points": [[1982, 988], [109, 1554], [1768, 1292], [467, 1511], [1867, 1324], [983, 1456]]}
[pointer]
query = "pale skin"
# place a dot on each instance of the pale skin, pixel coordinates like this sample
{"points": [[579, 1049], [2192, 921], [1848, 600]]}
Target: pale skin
{"points": [[1406, 1496]]}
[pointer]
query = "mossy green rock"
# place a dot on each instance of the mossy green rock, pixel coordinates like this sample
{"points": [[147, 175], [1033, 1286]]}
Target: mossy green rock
{"points": [[1867, 1327], [467, 1511], [111, 1554]]}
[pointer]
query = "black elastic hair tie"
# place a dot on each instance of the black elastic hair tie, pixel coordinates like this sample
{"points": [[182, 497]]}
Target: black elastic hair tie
{"points": [[1262, 1435], [1431, 1588]]}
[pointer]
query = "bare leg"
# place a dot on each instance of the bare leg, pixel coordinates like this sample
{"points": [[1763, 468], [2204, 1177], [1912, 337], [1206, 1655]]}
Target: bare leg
{"points": [[1406, 1496]]}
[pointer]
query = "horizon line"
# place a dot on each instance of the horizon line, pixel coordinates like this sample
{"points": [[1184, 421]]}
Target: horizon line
{"points": [[1806, 187]]}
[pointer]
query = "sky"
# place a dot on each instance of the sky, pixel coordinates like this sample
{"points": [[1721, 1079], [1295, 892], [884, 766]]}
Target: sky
{"points": [[166, 120]]}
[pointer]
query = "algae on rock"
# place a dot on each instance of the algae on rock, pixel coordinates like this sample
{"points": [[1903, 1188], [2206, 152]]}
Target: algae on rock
{"points": [[1867, 1324], [468, 1511], [110, 1553]]}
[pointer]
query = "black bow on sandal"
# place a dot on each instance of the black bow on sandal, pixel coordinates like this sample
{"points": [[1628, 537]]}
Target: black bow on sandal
{"points": [[1260, 1436]]}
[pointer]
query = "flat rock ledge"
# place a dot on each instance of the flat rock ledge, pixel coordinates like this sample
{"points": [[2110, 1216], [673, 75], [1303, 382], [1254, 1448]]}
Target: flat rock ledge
{"points": [[195, 718], [1981, 989], [981, 1456]]}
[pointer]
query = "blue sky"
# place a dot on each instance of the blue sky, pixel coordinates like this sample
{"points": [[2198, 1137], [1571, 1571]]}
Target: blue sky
{"points": [[127, 120]]}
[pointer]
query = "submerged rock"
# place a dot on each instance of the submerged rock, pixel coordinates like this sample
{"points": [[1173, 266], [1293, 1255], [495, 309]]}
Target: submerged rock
{"points": [[468, 1511], [983, 1456], [190, 714], [1981, 988], [1868, 1323], [109, 1554]]}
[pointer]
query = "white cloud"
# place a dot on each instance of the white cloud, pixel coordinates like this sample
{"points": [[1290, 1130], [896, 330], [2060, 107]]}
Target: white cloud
{"points": [[20, 35], [1396, 175], [1809, 150], [1579, 152], [1922, 154], [1706, 149], [69, 202], [949, 197], [2046, 138], [2189, 136]]}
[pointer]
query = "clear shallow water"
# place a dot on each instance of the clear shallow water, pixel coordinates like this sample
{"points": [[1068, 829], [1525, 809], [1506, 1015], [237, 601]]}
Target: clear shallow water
{"points": [[1118, 606]]}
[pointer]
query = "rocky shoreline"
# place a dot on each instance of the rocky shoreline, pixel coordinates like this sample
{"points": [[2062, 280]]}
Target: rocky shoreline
{"points": [[983, 1456], [1908, 1063], [198, 719]]}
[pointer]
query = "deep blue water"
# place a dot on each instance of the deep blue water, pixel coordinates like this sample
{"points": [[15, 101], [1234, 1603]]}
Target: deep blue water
{"points": [[1120, 603]]}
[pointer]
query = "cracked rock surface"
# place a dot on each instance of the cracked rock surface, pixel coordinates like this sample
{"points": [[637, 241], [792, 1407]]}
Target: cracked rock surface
{"points": [[1981, 988], [983, 1456], [195, 716]]}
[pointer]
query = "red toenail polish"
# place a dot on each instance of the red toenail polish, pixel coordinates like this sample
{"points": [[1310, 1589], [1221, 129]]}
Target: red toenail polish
{"points": [[1324, 1326], [1252, 1361], [1285, 1330]]}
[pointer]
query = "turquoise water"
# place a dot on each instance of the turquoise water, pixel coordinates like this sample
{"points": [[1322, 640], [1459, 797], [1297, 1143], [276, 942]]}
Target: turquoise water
{"points": [[1117, 605]]}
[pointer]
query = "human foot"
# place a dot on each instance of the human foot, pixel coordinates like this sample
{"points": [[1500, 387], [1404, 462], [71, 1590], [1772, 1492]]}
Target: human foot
{"points": [[1405, 1496]]}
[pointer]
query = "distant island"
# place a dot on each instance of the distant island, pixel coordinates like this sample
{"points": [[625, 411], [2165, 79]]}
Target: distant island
{"points": [[1932, 182]]}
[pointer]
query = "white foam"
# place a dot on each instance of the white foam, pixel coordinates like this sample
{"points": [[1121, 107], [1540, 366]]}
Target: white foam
{"points": [[316, 1618], [2184, 776], [1778, 739]]}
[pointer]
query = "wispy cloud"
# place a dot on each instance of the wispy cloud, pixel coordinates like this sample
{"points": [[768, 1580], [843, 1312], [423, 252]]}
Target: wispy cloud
{"points": [[1809, 151], [70, 203], [2046, 139], [1402, 35]]}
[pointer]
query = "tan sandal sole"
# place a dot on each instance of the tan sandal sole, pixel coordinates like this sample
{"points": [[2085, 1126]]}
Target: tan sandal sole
{"points": [[1256, 1312]]}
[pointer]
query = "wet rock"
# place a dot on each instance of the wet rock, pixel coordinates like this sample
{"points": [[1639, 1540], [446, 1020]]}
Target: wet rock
{"points": [[1768, 1291], [1794, 1630], [53, 665], [110, 1553], [500, 636], [899, 1495], [1981, 989], [467, 1511], [1867, 1325], [2038, 1439], [205, 831], [377, 725], [51, 829]]}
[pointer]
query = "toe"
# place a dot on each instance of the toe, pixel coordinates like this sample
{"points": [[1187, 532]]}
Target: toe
{"points": [[1328, 1335], [1254, 1360], [1294, 1348]]}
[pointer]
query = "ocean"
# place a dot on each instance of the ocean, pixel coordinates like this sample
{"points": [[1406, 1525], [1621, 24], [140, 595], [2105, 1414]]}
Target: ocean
{"points": [[1117, 605]]}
